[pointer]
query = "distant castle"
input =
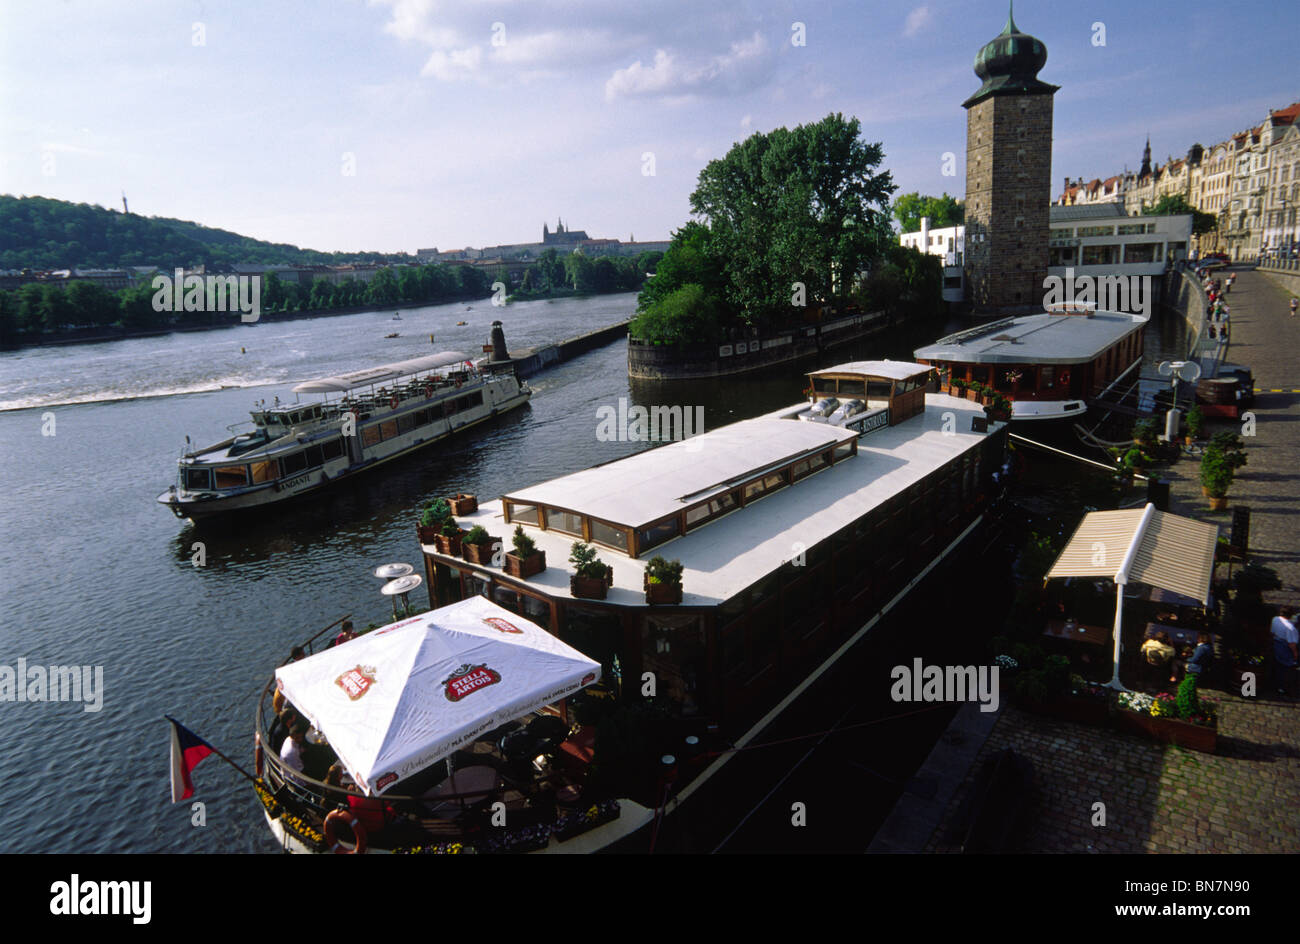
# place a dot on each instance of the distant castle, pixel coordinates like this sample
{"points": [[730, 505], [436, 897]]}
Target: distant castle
{"points": [[561, 236]]}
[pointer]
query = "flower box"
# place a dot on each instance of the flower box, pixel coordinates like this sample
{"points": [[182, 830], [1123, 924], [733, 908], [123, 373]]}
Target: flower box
{"points": [[577, 823], [662, 593], [525, 567], [448, 544], [1196, 737], [462, 505], [591, 588], [480, 553], [428, 535], [973, 395]]}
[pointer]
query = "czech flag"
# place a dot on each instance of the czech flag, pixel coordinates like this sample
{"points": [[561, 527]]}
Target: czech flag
{"points": [[187, 750]]}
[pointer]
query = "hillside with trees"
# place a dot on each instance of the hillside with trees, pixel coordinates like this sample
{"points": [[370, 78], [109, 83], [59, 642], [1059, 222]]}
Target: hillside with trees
{"points": [[40, 233]]}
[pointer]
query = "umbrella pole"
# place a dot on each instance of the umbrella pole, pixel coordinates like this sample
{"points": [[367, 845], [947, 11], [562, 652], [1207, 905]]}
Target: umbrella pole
{"points": [[1114, 682]]}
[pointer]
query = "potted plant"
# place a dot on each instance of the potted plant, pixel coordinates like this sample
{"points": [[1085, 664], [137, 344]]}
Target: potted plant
{"points": [[591, 577], [958, 388], [1216, 478], [478, 545], [526, 560], [1135, 461], [1181, 719], [999, 408], [1144, 433], [663, 581], [1232, 447], [449, 537], [435, 513], [974, 390], [1195, 421], [462, 504]]}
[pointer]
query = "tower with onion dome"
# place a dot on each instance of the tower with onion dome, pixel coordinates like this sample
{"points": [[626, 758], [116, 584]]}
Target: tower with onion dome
{"points": [[1008, 174]]}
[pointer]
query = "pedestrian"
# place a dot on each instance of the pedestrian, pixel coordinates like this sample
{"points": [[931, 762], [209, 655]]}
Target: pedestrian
{"points": [[1294, 302], [1285, 641], [1211, 330]]}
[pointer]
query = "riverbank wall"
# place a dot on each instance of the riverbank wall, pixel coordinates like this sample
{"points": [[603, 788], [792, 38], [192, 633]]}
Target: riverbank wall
{"points": [[530, 361], [749, 350]]}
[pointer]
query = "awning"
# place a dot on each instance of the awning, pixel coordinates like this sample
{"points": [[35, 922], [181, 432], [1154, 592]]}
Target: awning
{"points": [[400, 698], [1142, 546], [384, 372]]}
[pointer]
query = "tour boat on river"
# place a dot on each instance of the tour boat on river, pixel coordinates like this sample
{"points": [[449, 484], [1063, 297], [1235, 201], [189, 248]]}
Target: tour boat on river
{"points": [[1050, 366], [796, 531], [381, 413]]}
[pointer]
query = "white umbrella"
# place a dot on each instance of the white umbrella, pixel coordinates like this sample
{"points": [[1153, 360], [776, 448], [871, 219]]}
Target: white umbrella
{"points": [[401, 698]]}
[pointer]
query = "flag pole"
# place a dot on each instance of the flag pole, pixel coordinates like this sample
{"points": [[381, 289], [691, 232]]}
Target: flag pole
{"points": [[218, 753]]}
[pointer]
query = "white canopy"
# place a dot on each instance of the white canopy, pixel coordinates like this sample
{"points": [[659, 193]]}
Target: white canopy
{"points": [[374, 375], [401, 698]]}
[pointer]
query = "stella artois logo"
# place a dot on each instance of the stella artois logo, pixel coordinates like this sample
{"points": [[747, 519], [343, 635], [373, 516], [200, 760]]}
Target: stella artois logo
{"points": [[505, 626], [356, 682], [385, 781], [469, 678], [589, 677]]}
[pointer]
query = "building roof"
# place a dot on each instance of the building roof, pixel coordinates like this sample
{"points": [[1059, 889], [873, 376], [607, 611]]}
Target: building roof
{"points": [[891, 370], [1143, 545], [1008, 64], [650, 485], [1087, 211], [385, 372], [731, 553], [1034, 339]]}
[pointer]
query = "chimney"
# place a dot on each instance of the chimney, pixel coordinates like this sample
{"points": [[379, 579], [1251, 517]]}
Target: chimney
{"points": [[498, 341]]}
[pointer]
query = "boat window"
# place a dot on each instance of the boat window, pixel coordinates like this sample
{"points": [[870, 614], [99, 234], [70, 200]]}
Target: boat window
{"points": [[505, 596], [595, 633], [563, 521], [314, 457], [843, 451], [406, 423], [852, 387], [879, 389], [294, 463], [657, 534], [608, 535], [198, 479], [264, 471], [474, 585], [423, 417], [332, 449], [389, 429], [535, 609], [711, 509], [824, 384], [525, 513], [769, 483], [370, 435], [231, 476]]}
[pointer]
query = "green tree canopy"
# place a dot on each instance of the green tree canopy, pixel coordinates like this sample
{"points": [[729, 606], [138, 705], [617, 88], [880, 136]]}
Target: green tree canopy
{"points": [[943, 211], [1176, 204]]}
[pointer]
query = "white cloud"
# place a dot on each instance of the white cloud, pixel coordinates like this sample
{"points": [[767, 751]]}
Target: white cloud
{"points": [[747, 63], [917, 20], [746, 121]]}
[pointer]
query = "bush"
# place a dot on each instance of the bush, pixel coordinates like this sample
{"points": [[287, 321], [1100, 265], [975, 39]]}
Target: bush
{"points": [[1231, 446], [435, 513], [658, 570], [1216, 473], [586, 563], [1195, 421], [524, 545], [477, 535], [450, 528], [1144, 431], [1188, 702]]}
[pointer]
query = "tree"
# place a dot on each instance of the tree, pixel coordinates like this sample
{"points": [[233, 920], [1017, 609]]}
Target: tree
{"points": [[690, 260], [1176, 205], [383, 287], [791, 208], [943, 211], [579, 272], [686, 314]]}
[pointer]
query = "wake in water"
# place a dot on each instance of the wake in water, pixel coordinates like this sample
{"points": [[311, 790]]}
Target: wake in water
{"points": [[62, 398]]}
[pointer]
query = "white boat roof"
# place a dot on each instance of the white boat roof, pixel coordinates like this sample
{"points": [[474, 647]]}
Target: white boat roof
{"points": [[891, 370], [727, 555], [373, 375], [1034, 339], [658, 482]]}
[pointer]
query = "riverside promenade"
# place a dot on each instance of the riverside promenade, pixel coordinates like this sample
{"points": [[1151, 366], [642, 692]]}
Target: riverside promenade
{"points": [[1157, 798]]}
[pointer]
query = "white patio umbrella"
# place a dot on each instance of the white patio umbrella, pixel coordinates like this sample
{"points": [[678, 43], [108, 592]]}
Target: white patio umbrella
{"points": [[402, 697]]}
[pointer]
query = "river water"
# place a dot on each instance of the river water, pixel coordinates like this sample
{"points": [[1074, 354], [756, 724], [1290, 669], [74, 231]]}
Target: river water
{"points": [[96, 573]]}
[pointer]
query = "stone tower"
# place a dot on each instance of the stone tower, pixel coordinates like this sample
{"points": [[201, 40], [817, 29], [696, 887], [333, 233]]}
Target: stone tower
{"points": [[1145, 169], [1008, 173]]}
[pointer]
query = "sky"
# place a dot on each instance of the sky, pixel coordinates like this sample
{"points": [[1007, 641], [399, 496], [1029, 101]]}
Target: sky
{"points": [[392, 125]]}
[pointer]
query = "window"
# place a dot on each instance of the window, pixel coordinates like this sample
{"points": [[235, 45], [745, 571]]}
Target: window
{"points": [[264, 471], [332, 449], [389, 429], [564, 521], [824, 385], [710, 509], [608, 535], [292, 464], [844, 450], [370, 435], [879, 389], [657, 534], [405, 423], [314, 457], [853, 388], [197, 479], [231, 476], [525, 513], [423, 417], [769, 483]]}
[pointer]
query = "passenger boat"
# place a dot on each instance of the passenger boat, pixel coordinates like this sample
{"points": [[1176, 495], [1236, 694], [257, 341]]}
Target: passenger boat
{"points": [[446, 738], [381, 413], [796, 531], [1050, 366]]}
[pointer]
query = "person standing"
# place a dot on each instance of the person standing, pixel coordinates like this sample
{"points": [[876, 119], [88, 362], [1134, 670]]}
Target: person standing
{"points": [[1286, 638], [1294, 303]]}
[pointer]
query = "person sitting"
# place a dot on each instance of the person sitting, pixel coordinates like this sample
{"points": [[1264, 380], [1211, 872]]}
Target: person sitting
{"points": [[291, 752], [346, 633], [279, 731], [1159, 653]]}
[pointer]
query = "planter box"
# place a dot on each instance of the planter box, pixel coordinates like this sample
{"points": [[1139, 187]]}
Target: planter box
{"points": [[525, 567], [1196, 737], [589, 588], [448, 545], [428, 535], [462, 505], [480, 553], [972, 395], [664, 593]]}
